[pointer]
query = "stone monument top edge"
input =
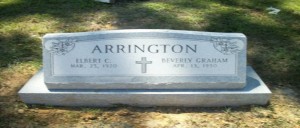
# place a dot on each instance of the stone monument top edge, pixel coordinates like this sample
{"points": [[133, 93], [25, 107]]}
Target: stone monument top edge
{"points": [[121, 31]]}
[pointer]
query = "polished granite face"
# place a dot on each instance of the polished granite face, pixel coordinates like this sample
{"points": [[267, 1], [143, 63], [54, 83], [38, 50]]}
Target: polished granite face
{"points": [[254, 93], [145, 59]]}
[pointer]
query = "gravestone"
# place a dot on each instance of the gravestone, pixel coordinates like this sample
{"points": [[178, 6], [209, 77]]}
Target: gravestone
{"points": [[145, 59], [145, 68], [106, 1]]}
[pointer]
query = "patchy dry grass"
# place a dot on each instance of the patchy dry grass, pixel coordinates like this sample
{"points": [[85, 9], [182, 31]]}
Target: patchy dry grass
{"points": [[273, 50], [282, 112]]}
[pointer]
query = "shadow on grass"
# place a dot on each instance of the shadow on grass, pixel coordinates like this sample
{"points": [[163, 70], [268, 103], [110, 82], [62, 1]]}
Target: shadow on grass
{"points": [[38, 116], [251, 4], [58, 8], [11, 117], [166, 109], [19, 47], [276, 47], [276, 55], [148, 17]]}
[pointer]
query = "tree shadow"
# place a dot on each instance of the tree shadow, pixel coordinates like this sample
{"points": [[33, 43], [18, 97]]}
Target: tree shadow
{"points": [[147, 17], [58, 8], [19, 47], [251, 4], [272, 47], [276, 47]]}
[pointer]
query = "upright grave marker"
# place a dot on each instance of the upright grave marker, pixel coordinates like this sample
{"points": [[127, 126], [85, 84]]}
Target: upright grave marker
{"points": [[145, 59], [145, 68]]}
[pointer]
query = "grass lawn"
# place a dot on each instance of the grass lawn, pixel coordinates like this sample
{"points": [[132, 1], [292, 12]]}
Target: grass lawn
{"points": [[273, 51]]}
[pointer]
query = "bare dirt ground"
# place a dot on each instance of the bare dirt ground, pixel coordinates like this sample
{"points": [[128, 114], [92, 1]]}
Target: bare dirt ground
{"points": [[282, 111]]}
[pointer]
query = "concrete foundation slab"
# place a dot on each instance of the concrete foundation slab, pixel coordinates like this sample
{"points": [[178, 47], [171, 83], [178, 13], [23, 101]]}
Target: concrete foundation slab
{"points": [[255, 93]]}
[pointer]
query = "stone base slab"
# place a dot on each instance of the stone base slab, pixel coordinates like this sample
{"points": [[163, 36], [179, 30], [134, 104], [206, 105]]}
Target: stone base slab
{"points": [[255, 93]]}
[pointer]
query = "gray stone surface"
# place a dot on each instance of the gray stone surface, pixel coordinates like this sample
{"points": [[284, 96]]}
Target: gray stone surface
{"points": [[169, 59], [255, 92], [106, 1]]}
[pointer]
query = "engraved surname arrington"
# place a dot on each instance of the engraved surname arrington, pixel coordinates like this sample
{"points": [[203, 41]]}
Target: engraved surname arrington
{"points": [[152, 48]]}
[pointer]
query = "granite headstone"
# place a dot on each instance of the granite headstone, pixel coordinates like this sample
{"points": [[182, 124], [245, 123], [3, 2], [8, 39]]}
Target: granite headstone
{"points": [[145, 59], [145, 68]]}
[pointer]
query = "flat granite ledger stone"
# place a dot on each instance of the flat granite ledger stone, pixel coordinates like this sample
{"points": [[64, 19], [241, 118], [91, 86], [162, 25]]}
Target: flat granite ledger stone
{"points": [[255, 93], [145, 59]]}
